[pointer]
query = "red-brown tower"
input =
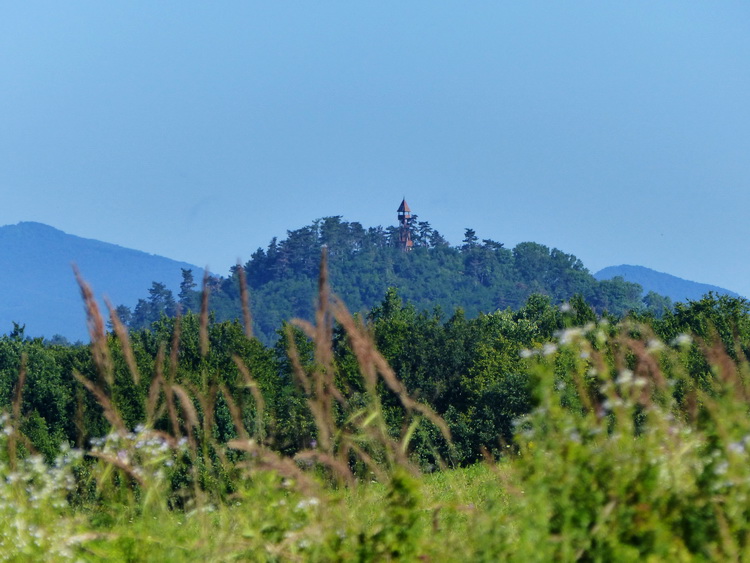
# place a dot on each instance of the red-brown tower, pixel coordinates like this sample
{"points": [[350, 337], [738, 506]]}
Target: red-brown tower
{"points": [[404, 223]]}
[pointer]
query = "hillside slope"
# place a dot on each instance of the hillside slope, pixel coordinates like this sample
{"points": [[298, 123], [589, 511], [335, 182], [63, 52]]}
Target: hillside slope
{"points": [[38, 288], [677, 289], [479, 276]]}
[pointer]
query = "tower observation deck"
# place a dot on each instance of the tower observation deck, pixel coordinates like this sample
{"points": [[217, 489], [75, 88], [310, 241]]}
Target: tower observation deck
{"points": [[404, 224]]}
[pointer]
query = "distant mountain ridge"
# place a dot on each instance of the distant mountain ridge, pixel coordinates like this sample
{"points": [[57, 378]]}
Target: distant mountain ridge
{"points": [[677, 289], [38, 288]]}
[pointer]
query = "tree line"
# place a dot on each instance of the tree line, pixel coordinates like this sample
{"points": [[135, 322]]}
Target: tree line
{"points": [[477, 276], [470, 371]]}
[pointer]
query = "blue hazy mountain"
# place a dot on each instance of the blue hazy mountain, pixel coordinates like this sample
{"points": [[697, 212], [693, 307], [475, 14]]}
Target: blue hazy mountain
{"points": [[677, 289], [38, 287]]}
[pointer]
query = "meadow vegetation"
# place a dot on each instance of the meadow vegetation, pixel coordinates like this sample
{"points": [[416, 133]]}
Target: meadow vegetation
{"points": [[548, 433]]}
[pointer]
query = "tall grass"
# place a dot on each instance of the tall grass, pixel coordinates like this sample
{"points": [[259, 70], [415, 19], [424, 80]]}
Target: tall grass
{"points": [[626, 457]]}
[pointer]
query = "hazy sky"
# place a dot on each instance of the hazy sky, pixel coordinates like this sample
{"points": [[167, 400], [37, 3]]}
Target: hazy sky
{"points": [[616, 131]]}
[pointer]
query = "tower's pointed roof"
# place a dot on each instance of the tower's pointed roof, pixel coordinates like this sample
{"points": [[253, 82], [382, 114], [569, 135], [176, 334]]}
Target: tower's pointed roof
{"points": [[404, 207]]}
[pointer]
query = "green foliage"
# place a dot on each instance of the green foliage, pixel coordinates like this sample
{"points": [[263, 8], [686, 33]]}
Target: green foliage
{"points": [[395, 535], [623, 472], [478, 277], [622, 441]]}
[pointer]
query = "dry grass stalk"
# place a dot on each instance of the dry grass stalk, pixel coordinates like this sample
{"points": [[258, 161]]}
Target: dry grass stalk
{"points": [[118, 463], [79, 421], [380, 475], [727, 370], [174, 351], [729, 379], [245, 299], [338, 466], [95, 322], [16, 412], [323, 320], [368, 425], [191, 414], [297, 369], [168, 391], [188, 408], [171, 407], [110, 412], [378, 434], [153, 390], [370, 354], [323, 421], [590, 404], [324, 375], [122, 335], [260, 403], [321, 398], [18, 391], [207, 403], [319, 386], [325, 386], [209, 412], [284, 466], [235, 413], [647, 369], [647, 366], [204, 315], [361, 343]]}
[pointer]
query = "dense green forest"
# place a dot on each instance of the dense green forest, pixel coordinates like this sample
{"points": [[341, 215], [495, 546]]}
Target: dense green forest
{"points": [[470, 371], [478, 276], [358, 436], [607, 424]]}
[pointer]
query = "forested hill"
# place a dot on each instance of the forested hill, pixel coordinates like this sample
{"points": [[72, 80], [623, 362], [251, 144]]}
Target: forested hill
{"points": [[479, 275]]}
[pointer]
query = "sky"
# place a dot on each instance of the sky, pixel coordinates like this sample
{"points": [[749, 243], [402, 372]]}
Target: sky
{"points": [[615, 131]]}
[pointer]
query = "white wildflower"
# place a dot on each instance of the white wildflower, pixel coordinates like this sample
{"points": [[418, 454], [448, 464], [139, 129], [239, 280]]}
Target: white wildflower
{"points": [[306, 503], [736, 447], [682, 340], [567, 336], [625, 377]]}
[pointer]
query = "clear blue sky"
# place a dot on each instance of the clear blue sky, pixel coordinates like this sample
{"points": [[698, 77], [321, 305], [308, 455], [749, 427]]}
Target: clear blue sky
{"points": [[616, 131]]}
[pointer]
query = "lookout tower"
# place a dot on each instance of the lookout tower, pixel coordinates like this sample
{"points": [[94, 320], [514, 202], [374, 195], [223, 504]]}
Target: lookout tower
{"points": [[404, 227]]}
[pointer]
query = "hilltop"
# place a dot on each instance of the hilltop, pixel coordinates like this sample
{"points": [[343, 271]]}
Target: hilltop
{"points": [[477, 276]]}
